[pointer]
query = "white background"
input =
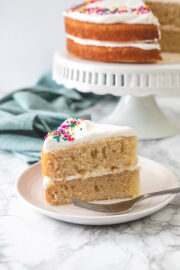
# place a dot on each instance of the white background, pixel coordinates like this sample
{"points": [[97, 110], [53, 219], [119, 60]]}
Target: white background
{"points": [[30, 32]]}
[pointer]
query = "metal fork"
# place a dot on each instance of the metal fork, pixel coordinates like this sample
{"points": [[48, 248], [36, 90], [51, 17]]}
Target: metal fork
{"points": [[123, 206]]}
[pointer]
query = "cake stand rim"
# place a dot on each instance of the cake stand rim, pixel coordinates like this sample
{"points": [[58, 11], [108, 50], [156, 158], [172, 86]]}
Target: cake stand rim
{"points": [[65, 60]]}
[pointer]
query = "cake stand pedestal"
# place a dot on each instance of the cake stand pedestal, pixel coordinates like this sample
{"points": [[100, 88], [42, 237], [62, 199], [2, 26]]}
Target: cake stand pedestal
{"points": [[136, 83]]}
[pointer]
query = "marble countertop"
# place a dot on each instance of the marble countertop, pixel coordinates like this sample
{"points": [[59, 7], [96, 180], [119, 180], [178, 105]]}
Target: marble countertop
{"points": [[29, 240]]}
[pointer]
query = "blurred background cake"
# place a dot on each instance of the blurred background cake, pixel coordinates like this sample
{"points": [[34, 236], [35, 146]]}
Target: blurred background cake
{"points": [[113, 31], [42, 37]]}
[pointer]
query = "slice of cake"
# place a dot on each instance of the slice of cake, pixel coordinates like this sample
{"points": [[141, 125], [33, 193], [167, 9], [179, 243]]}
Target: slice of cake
{"points": [[168, 13], [89, 162], [113, 31]]}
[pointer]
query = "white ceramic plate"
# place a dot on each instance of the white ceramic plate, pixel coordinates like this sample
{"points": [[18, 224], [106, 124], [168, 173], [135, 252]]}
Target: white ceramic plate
{"points": [[154, 177]]}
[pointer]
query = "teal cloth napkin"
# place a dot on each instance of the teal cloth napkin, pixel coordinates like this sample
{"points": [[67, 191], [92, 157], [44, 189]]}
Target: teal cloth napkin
{"points": [[27, 115]]}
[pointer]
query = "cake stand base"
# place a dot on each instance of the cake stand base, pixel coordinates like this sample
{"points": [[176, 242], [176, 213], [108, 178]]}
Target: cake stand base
{"points": [[144, 115]]}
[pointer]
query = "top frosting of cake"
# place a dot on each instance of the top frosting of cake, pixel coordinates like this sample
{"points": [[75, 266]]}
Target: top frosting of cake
{"points": [[112, 11], [76, 131], [166, 1]]}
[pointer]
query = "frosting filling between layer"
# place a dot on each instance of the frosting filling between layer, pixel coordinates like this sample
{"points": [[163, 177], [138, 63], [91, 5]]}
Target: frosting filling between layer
{"points": [[144, 45], [47, 180]]}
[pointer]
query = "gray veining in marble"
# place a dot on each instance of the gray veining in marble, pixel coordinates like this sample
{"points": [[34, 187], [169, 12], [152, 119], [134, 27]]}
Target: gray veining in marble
{"points": [[29, 240]]}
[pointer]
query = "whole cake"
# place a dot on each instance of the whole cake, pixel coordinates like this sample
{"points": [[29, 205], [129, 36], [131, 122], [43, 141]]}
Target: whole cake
{"points": [[113, 31], [89, 161], [168, 13]]}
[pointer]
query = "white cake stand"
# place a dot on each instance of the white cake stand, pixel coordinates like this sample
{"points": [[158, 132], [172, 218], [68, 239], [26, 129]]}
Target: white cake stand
{"points": [[137, 83]]}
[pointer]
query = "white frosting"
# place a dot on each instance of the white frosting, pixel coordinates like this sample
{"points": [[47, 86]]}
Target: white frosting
{"points": [[87, 132], [47, 180], [165, 1], [145, 45], [128, 17]]}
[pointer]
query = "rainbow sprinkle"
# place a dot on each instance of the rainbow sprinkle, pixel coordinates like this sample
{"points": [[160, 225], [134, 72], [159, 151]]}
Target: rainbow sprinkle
{"points": [[106, 11], [65, 131]]}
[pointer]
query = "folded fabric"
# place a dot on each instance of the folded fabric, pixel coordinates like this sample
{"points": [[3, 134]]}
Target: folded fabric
{"points": [[27, 115]]}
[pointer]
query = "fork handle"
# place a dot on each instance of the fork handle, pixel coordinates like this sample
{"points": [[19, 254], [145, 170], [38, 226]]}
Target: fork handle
{"points": [[162, 192]]}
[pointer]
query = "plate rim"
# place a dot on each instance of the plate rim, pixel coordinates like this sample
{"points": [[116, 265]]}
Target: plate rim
{"points": [[129, 215]]}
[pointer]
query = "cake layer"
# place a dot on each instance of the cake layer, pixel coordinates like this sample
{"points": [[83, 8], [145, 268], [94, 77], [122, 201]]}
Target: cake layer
{"points": [[113, 54], [167, 11], [110, 155], [112, 186], [111, 32], [170, 41], [111, 12]]}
